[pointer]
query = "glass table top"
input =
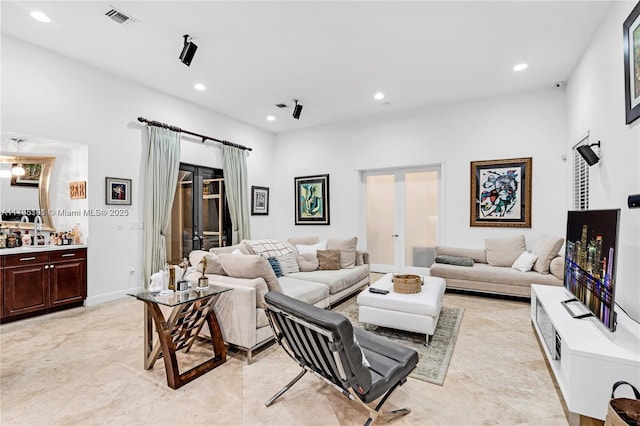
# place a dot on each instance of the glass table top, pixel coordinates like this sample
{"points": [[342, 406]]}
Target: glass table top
{"points": [[175, 298]]}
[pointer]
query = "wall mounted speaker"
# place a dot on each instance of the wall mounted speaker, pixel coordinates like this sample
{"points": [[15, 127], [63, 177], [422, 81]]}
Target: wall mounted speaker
{"points": [[188, 51], [587, 153], [633, 201], [297, 110]]}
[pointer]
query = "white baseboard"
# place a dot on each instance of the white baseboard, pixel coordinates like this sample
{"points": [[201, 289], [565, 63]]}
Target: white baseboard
{"points": [[108, 297]]}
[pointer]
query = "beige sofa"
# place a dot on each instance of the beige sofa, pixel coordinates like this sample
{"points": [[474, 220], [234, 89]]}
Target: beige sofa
{"points": [[493, 267], [240, 312]]}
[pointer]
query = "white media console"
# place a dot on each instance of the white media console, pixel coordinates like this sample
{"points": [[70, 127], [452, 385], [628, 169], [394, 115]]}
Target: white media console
{"points": [[585, 357]]}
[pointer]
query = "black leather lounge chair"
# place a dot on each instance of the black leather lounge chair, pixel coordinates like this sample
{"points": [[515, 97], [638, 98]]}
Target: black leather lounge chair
{"points": [[326, 344]]}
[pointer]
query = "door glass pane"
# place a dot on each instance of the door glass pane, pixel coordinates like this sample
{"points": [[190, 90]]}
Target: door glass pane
{"points": [[380, 218], [212, 208], [421, 218], [180, 234]]}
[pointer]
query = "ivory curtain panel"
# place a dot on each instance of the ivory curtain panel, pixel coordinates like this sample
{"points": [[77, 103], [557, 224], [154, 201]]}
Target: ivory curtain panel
{"points": [[237, 190], [163, 164]]}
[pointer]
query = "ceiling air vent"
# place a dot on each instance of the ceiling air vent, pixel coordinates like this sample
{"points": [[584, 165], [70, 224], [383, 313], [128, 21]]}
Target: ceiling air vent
{"points": [[118, 16], [281, 105]]}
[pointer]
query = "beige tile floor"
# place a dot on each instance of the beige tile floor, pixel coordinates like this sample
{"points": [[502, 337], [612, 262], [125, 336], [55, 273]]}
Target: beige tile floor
{"points": [[84, 366]]}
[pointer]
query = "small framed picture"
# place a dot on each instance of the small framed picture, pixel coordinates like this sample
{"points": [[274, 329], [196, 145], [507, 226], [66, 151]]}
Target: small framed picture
{"points": [[259, 200], [118, 191], [631, 39]]}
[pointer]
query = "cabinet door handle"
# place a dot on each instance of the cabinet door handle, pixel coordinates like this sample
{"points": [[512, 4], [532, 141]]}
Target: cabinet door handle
{"points": [[22, 259], [68, 255]]}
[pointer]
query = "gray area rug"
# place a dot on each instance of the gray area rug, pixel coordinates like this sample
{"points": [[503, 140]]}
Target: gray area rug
{"points": [[435, 358]]}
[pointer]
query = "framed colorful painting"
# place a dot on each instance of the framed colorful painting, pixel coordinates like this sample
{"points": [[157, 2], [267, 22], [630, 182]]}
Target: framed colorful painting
{"points": [[31, 177], [631, 38], [312, 200], [501, 193]]}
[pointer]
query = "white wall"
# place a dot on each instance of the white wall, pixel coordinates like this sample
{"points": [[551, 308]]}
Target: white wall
{"points": [[530, 124], [52, 97], [595, 103]]}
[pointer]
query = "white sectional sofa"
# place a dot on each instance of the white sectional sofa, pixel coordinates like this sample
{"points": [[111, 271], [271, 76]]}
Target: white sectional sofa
{"points": [[241, 313], [491, 270]]}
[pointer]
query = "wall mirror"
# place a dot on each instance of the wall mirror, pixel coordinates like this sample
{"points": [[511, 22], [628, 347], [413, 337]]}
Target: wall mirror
{"points": [[26, 195]]}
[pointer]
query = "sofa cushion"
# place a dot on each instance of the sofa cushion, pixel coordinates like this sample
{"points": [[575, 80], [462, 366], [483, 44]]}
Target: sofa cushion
{"points": [[307, 291], [269, 248], [311, 248], [241, 247], [546, 248], [478, 255], [303, 240], [308, 262], [525, 262], [504, 251], [250, 266], [213, 262], [328, 260], [481, 272], [347, 249], [336, 280]]}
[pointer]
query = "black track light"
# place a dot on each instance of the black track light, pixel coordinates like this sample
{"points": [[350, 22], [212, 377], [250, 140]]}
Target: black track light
{"points": [[587, 153], [297, 110], [188, 50]]}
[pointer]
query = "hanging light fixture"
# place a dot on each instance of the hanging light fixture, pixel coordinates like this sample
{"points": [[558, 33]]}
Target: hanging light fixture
{"points": [[18, 170]]}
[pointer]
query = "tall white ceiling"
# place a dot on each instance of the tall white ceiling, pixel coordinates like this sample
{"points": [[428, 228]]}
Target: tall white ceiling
{"points": [[332, 55]]}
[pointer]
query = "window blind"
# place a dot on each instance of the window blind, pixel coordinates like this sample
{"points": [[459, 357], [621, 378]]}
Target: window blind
{"points": [[580, 178]]}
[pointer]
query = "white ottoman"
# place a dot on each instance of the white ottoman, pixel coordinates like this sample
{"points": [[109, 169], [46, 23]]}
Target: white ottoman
{"points": [[417, 312]]}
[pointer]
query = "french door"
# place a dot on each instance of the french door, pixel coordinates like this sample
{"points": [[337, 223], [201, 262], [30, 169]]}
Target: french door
{"points": [[403, 208], [199, 215]]}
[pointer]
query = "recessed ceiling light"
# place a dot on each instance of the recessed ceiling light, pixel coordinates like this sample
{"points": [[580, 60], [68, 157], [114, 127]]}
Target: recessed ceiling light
{"points": [[40, 16], [520, 67], [270, 118], [199, 86], [378, 96]]}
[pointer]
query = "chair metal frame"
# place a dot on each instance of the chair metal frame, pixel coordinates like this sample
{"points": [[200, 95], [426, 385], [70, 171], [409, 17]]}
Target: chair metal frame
{"points": [[307, 344]]}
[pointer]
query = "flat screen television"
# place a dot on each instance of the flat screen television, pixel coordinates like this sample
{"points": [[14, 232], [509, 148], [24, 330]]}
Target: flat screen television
{"points": [[590, 262]]}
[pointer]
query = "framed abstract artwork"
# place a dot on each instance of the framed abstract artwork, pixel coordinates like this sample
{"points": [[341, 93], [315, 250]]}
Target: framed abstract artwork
{"points": [[631, 38], [312, 200], [118, 191], [259, 200], [501, 193]]}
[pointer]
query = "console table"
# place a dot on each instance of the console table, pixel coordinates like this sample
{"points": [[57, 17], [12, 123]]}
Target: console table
{"points": [[585, 358], [190, 310]]}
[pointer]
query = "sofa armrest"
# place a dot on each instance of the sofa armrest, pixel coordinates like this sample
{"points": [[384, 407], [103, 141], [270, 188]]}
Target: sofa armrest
{"points": [[237, 316], [366, 257], [478, 255]]}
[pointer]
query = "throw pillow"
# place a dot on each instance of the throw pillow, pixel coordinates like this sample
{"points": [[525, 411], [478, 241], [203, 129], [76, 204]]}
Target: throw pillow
{"points": [[268, 248], [250, 266], [213, 265], [454, 260], [308, 262], [347, 249], [525, 262], [241, 248], [196, 256], [304, 248], [288, 263], [504, 251], [546, 248], [328, 260], [275, 265]]}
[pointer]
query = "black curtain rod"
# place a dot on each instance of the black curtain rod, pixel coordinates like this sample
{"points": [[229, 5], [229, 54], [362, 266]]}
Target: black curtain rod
{"points": [[178, 129]]}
